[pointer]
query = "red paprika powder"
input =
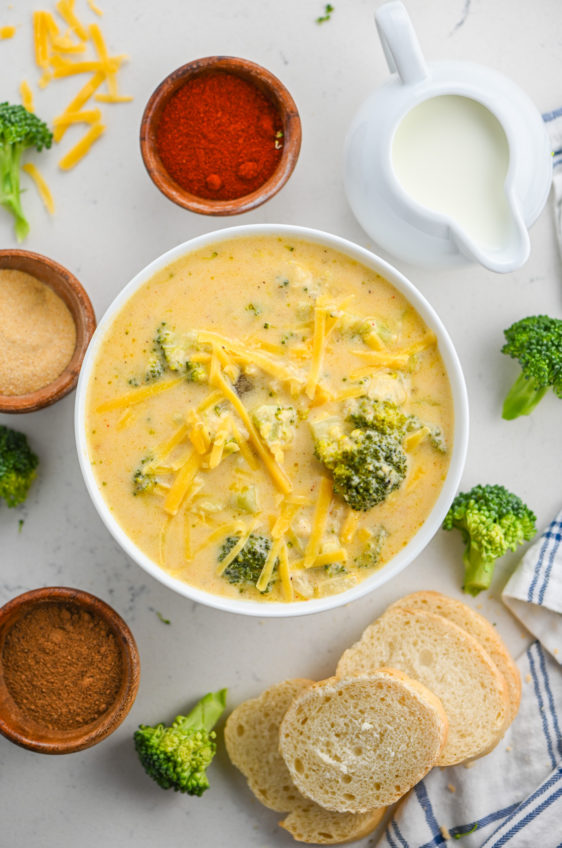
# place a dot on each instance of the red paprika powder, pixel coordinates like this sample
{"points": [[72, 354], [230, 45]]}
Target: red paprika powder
{"points": [[219, 136]]}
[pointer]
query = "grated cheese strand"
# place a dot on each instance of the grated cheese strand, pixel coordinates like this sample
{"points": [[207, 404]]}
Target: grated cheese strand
{"points": [[233, 553], [349, 526], [285, 573], [138, 395], [318, 522], [41, 185], [95, 9], [26, 95], [40, 40], [318, 342], [65, 8], [277, 474], [269, 565], [182, 484], [80, 149], [7, 32], [77, 102]]}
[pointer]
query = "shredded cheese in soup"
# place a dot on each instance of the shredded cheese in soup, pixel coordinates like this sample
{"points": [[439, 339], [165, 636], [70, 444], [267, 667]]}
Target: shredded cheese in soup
{"points": [[269, 418]]}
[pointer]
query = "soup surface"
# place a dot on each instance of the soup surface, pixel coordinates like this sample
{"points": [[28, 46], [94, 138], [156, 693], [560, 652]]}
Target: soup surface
{"points": [[219, 381]]}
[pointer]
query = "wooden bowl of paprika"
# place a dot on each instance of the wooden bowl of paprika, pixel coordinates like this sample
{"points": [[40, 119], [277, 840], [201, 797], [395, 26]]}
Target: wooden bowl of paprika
{"points": [[69, 670], [220, 135]]}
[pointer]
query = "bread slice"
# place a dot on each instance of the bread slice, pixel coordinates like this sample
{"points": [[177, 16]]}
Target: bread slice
{"points": [[479, 627], [450, 662], [308, 822], [252, 743], [356, 744], [251, 735]]}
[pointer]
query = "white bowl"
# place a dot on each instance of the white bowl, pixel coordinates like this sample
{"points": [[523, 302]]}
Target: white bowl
{"points": [[432, 522]]}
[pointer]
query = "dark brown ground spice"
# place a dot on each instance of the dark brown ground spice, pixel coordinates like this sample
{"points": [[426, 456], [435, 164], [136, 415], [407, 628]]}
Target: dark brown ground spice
{"points": [[62, 666]]}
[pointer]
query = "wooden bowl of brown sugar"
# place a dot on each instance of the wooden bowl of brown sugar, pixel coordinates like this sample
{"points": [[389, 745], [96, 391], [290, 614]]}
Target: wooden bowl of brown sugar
{"points": [[46, 323], [69, 670], [220, 135]]}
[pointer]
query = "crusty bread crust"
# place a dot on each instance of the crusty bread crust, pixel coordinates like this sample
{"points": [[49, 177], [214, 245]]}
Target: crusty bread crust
{"points": [[355, 744], [251, 735], [479, 627], [450, 662], [310, 823]]}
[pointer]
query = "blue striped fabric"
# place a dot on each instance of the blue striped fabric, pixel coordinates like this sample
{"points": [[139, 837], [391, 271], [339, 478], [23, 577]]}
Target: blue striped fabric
{"points": [[513, 796]]}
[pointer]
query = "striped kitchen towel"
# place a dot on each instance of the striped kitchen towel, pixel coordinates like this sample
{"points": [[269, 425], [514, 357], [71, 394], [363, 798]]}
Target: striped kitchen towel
{"points": [[553, 122], [513, 796], [534, 591]]}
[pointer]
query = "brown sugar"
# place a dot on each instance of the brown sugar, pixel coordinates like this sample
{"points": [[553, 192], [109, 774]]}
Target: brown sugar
{"points": [[62, 666], [37, 333]]}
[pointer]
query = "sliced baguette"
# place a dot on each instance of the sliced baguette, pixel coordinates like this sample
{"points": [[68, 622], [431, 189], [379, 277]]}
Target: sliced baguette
{"points": [[308, 822], [252, 743], [479, 627], [451, 663], [251, 735], [355, 744]]}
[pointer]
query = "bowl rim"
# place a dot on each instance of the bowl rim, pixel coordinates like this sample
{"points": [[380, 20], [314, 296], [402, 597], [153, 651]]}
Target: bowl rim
{"points": [[246, 69], [83, 315], [70, 741], [432, 523]]}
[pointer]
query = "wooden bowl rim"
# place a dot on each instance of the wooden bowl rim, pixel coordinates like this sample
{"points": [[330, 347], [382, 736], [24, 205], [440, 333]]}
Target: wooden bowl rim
{"points": [[76, 299], [269, 84], [68, 741]]}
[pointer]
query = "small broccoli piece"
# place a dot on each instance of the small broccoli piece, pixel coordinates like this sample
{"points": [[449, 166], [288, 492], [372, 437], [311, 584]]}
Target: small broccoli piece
{"points": [[18, 466], [492, 521], [335, 568], [536, 342], [174, 352], [154, 369], [277, 426], [177, 757], [371, 553], [19, 130], [382, 415], [144, 478], [248, 564], [366, 466]]}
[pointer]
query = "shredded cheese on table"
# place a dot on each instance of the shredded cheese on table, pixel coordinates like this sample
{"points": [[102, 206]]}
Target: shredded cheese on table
{"points": [[26, 95], [42, 187], [7, 32], [82, 147]]}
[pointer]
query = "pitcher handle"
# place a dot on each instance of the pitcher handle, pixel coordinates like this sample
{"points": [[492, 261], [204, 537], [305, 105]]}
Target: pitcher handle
{"points": [[400, 43]]}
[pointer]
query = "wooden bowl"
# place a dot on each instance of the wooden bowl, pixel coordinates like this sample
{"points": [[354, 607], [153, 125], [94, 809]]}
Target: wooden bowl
{"points": [[275, 92], [22, 729], [65, 284]]}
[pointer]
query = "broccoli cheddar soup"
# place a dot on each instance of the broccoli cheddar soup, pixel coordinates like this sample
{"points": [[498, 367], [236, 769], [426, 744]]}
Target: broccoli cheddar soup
{"points": [[268, 418]]}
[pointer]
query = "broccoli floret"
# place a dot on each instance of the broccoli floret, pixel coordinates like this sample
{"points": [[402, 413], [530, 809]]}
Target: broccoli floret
{"points": [[174, 352], [536, 342], [366, 466], [154, 369], [144, 478], [177, 757], [277, 426], [492, 521], [18, 466], [381, 415], [19, 130], [248, 564], [371, 553]]}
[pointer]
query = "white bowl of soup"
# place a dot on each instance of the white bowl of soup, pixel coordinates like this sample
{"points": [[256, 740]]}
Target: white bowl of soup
{"points": [[271, 420]]}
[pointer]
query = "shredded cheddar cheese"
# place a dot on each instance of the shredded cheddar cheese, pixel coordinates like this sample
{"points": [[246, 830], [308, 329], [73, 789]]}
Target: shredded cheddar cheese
{"points": [[41, 185], [7, 32], [26, 95], [269, 565], [138, 395], [76, 153], [320, 515]]}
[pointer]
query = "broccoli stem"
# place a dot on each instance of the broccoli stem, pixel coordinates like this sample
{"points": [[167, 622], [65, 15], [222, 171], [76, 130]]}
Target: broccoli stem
{"points": [[477, 570], [10, 197], [206, 712], [522, 398]]}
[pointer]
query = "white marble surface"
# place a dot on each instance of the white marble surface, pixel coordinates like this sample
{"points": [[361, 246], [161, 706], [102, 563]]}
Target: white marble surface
{"points": [[110, 222]]}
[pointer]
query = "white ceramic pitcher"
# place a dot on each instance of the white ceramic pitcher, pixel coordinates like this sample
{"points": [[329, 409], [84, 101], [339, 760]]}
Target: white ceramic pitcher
{"points": [[415, 147]]}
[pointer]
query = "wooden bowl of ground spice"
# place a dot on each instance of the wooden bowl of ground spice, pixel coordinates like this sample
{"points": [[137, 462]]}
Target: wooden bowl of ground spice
{"points": [[220, 135], [46, 323], [69, 670]]}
